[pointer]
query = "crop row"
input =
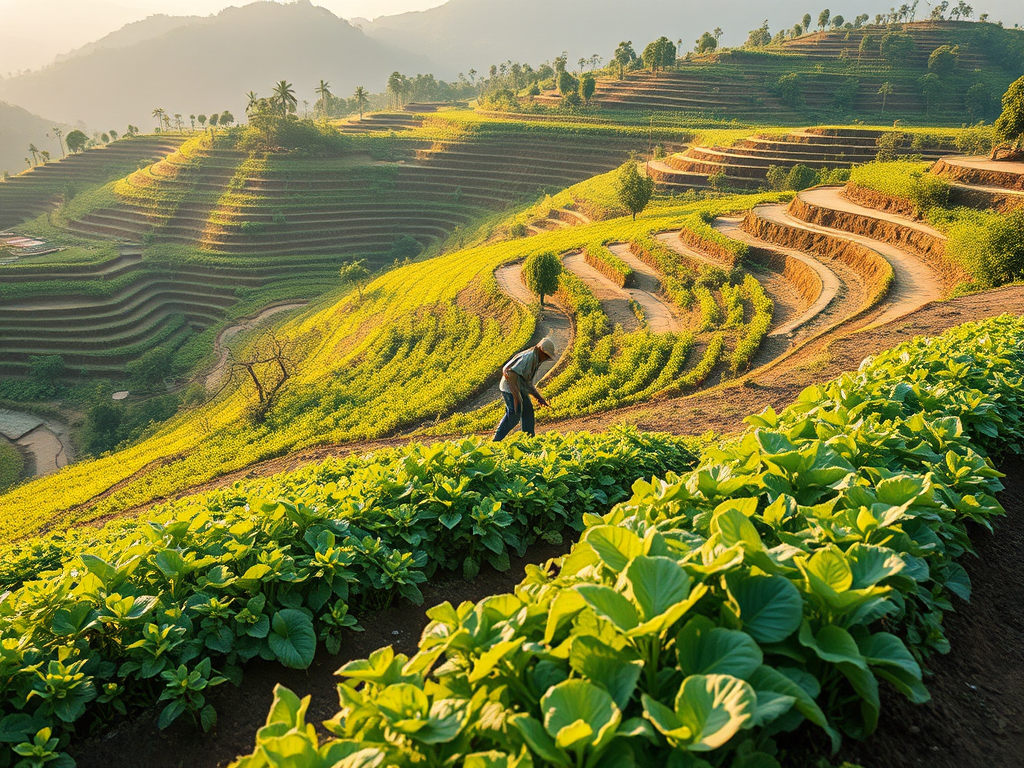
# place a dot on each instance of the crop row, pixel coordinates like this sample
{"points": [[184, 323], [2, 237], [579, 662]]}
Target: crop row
{"points": [[102, 621], [776, 587]]}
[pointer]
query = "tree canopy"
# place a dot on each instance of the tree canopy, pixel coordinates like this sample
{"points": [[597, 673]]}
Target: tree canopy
{"points": [[1009, 125], [659, 54], [76, 140], [634, 190], [541, 272]]}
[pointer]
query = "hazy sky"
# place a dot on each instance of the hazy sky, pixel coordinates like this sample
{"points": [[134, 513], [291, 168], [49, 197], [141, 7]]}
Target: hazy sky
{"points": [[32, 32]]}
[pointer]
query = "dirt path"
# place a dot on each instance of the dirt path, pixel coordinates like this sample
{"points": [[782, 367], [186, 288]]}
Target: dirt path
{"points": [[660, 315], [615, 300], [215, 377], [826, 307], [552, 322], [983, 163], [834, 198], [915, 283], [45, 441]]}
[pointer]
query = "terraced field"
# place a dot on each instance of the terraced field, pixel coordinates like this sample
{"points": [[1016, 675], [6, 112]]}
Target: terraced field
{"points": [[745, 164], [833, 78], [210, 226]]}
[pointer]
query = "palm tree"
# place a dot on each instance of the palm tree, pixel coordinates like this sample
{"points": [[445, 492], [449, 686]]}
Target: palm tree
{"points": [[34, 151], [284, 97], [885, 92], [60, 139], [178, 122], [253, 98], [324, 92], [361, 100], [159, 114], [192, 120]]}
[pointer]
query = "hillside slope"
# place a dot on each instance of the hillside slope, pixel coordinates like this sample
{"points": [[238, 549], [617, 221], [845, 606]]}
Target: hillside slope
{"points": [[248, 48], [476, 33], [19, 128]]}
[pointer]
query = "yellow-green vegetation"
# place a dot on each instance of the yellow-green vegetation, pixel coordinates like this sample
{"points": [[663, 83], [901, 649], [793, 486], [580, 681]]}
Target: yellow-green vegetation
{"points": [[423, 339], [12, 464], [986, 244]]}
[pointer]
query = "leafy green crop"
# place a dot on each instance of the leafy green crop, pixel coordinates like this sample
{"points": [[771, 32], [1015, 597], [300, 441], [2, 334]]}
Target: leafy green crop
{"points": [[141, 610], [777, 585]]}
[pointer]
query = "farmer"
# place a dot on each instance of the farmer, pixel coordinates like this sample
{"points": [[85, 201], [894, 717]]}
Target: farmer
{"points": [[517, 385]]}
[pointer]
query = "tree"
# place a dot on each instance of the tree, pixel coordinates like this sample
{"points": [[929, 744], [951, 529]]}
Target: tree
{"points": [[860, 21], [59, 133], [587, 87], [931, 89], [76, 141], [760, 37], [823, 18], [361, 100], [633, 189], [885, 92], [178, 122], [192, 122], [34, 151], [268, 366], [46, 370], [151, 368], [355, 274], [251, 99], [105, 138], [838, 21], [398, 86], [160, 115], [1010, 124], [566, 83], [541, 272], [226, 119], [943, 60], [796, 31], [718, 34], [895, 47], [706, 43], [214, 119], [284, 98], [806, 22], [962, 10], [939, 11], [324, 92], [624, 56], [978, 101], [659, 54], [202, 121], [867, 43]]}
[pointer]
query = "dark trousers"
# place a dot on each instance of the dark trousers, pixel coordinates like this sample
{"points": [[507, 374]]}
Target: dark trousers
{"points": [[513, 416]]}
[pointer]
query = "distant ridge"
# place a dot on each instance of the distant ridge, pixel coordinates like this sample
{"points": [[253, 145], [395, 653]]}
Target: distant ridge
{"points": [[208, 65]]}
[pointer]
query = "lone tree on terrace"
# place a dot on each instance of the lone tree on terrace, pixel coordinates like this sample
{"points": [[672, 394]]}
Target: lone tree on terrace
{"points": [[624, 57], [76, 141], [541, 272], [1009, 125], [885, 92], [634, 189], [706, 43], [361, 100], [355, 273]]}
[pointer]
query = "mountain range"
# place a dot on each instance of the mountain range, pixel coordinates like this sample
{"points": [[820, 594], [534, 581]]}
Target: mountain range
{"points": [[207, 64]]}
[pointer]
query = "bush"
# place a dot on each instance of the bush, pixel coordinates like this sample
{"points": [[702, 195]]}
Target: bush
{"points": [[788, 89]]}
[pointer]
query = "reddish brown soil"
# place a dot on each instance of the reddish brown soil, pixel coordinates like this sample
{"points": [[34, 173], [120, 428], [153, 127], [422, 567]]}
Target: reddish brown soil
{"points": [[976, 716], [138, 743]]}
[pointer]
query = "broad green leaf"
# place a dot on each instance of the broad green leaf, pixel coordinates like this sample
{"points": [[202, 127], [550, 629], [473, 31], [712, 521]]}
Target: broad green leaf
{"points": [[900, 490], [615, 546], [665, 720], [714, 708], [655, 584], [870, 564], [539, 741], [736, 528], [833, 644], [578, 713], [592, 659], [292, 638], [771, 680], [566, 605], [829, 564], [610, 605], [704, 649], [884, 649], [287, 708], [350, 754], [769, 608]]}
